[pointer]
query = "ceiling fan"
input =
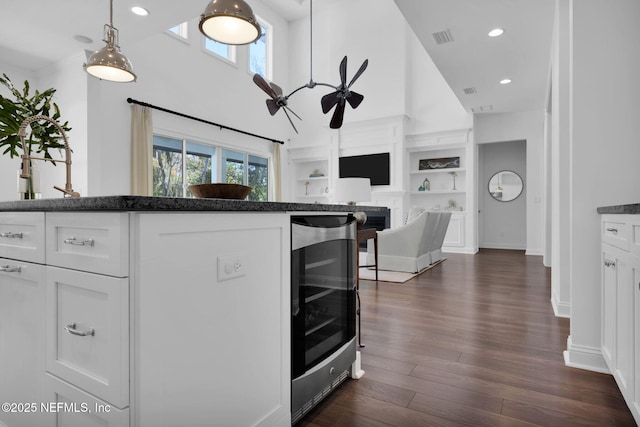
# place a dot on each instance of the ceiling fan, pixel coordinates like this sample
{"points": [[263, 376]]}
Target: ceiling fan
{"points": [[342, 93]]}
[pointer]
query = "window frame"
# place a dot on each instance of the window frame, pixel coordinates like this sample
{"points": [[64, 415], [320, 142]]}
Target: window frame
{"points": [[232, 51], [183, 39], [268, 66]]}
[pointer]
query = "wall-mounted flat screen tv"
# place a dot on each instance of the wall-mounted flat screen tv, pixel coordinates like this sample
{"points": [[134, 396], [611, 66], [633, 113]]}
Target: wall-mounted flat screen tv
{"points": [[373, 166]]}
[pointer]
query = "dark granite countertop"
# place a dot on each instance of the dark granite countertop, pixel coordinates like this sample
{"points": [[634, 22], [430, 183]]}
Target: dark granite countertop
{"points": [[620, 209], [139, 203]]}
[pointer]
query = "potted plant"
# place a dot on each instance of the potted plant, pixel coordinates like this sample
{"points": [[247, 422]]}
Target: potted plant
{"points": [[43, 137]]}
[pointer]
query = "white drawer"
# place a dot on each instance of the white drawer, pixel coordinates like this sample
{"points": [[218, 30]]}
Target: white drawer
{"points": [[615, 231], [22, 236], [94, 242], [78, 302], [68, 406]]}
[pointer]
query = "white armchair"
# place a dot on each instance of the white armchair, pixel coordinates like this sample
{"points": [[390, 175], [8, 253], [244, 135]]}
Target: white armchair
{"points": [[410, 247]]}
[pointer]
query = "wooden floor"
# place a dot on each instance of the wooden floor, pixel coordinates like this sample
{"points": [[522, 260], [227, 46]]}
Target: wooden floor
{"points": [[471, 342]]}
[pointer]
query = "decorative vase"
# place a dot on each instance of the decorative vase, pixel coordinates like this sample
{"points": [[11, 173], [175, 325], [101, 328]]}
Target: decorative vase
{"points": [[29, 188], [426, 185]]}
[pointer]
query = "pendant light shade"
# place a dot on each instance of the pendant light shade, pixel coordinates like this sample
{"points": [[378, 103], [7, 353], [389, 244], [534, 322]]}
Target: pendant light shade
{"points": [[108, 63], [229, 22]]}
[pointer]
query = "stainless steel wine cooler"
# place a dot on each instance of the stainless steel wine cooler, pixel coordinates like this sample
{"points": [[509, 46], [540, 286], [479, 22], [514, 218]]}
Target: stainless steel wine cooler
{"points": [[323, 307]]}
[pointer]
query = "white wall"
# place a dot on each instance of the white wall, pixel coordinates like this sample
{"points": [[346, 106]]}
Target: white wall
{"points": [[502, 225], [529, 126], [604, 150]]}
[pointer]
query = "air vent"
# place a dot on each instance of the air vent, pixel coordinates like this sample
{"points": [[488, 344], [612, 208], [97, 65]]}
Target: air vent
{"points": [[482, 109], [469, 90], [442, 37]]}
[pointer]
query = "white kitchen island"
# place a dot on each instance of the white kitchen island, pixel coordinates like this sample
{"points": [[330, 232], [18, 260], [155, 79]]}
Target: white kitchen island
{"points": [[138, 311]]}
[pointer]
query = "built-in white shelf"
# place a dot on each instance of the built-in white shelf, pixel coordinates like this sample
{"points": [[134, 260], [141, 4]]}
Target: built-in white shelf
{"points": [[431, 171], [313, 178], [426, 193]]}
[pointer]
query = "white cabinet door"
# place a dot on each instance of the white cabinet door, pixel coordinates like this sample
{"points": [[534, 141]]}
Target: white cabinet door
{"points": [[635, 406], [211, 319], [88, 332], [609, 302], [624, 364], [22, 326]]}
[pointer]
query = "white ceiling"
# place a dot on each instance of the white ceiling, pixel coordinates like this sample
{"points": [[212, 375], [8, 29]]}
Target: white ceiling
{"points": [[36, 33]]}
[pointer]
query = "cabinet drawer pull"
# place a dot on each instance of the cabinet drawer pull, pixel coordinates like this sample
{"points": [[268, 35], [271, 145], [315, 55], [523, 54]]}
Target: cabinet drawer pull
{"points": [[9, 269], [10, 235], [73, 331], [608, 263], [74, 241], [612, 230]]}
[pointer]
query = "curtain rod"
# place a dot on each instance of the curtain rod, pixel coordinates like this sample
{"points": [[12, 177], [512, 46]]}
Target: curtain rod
{"points": [[144, 104]]}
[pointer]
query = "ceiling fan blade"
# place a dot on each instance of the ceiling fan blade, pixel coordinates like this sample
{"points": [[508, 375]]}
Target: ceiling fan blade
{"points": [[329, 101], [262, 84], [277, 89], [290, 121], [273, 106], [338, 115], [343, 71], [359, 73], [354, 99]]}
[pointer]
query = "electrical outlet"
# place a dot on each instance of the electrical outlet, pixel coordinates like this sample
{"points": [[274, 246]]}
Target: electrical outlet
{"points": [[231, 267]]}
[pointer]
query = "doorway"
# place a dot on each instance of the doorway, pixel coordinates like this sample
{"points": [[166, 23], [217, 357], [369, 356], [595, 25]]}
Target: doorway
{"points": [[502, 222]]}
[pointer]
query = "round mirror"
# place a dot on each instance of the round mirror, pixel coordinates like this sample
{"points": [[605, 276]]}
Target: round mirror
{"points": [[505, 186]]}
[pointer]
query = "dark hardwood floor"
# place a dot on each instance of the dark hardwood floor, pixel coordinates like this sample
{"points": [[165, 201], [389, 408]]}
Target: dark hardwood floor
{"points": [[474, 342]]}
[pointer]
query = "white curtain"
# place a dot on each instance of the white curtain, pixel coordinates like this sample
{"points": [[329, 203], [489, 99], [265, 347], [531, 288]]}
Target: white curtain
{"points": [[277, 173], [141, 151]]}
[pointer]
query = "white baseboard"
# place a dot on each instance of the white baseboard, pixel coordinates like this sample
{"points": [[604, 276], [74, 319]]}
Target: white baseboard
{"points": [[585, 357], [560, 309], [536, 252], [503, 246], [453, 250]]}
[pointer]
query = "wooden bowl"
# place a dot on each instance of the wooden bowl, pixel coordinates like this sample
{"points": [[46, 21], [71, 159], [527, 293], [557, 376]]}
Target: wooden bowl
{"points": [[220, 191]]}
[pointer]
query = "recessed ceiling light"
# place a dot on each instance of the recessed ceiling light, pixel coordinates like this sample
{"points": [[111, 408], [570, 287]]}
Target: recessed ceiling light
{"points": [[505, 81], [496, 32], [140, 11]]}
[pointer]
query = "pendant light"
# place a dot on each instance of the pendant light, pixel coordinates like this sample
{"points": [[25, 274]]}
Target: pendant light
{"points": [[108, 63], [230, 22]]}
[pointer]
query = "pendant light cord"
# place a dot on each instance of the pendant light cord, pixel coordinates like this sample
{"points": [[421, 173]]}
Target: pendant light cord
{"points": [[311, 84]]}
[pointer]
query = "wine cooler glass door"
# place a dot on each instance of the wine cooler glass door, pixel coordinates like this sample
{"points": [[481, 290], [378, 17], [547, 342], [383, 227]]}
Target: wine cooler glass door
{"points": [[323, 289]]}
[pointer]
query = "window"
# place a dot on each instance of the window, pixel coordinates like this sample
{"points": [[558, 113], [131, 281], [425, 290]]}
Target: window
{"points": [[222, 50], [179, 163], [259, 53], [180, 31], [173, 156], [258, 178]]}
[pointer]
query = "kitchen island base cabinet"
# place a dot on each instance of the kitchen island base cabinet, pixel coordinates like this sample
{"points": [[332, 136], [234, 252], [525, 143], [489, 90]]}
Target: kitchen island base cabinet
{"points": [[210, 311]]}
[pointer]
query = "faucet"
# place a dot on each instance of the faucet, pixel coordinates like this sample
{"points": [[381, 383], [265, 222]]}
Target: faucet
{"points": [[26, 170]]}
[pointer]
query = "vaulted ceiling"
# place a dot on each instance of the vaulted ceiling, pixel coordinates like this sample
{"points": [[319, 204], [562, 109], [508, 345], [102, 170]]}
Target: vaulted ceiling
{"points": [[36, 33]]}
